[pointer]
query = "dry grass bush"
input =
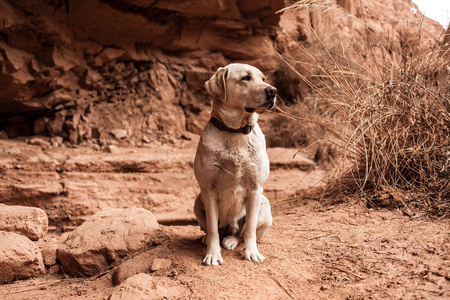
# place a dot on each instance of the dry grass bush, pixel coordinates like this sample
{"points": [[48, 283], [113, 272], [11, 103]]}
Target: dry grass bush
{"points": [[386, 107]]}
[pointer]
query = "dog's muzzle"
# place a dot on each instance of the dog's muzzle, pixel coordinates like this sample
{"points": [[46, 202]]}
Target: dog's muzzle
{"points": [[269, 103], [271, 95]]}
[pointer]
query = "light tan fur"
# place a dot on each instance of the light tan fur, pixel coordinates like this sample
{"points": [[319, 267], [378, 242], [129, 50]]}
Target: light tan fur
{"points": [[231, 168]]}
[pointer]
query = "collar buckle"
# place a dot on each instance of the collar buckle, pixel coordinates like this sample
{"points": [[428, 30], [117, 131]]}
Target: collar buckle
{"points": [[247, 129]]}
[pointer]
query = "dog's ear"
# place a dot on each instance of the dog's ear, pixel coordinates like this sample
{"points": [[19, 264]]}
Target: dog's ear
{"points": [[217, 84]]}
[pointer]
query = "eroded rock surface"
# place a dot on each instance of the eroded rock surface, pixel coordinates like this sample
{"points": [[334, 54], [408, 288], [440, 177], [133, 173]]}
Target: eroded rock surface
{"points": [[125, 72]]}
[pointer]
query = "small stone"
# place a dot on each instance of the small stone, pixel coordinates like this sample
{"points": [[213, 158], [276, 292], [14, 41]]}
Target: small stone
{"points": [[119, 134], [145, 139], [160, 263], [56, 141], [53, 269], [324, 287], [94, 147], [111, 149], [39, 142], [3, 135], [49, 252]]}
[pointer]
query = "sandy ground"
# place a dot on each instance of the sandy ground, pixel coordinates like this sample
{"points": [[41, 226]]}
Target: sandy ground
{"points": [[346, 252]]}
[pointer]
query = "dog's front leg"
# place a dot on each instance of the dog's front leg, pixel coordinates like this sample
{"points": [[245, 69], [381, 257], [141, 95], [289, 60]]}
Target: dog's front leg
{"points": [[252, 206], [213, 256]]}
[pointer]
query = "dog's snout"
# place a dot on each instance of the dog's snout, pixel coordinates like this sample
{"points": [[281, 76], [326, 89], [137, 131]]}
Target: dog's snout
{"points": [[271, 91]]}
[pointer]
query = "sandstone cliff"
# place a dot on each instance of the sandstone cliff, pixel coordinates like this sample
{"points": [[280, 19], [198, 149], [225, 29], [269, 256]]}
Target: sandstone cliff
{"points": [[133, 71]]}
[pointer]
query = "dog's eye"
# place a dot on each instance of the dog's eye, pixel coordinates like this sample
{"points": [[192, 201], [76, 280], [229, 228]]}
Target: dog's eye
{"points": [[246, 78], [264, 78]]}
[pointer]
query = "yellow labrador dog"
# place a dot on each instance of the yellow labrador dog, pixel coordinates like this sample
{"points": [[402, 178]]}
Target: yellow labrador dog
{"points": [[231, 164]]}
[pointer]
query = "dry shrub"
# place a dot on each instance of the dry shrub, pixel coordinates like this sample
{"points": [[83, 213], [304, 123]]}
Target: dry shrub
{"points": [[387, 110]]}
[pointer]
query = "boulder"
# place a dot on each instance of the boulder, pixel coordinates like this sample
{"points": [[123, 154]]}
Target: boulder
{"points": [[105, 238], [19, 258], [144, 286], [31, 222]]}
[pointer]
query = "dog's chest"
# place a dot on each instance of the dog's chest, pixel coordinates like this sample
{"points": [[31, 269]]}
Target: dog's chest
{"points": [[238, 168]]}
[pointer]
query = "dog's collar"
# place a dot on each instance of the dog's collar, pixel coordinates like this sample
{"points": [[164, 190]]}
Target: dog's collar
{"points": [[221, 126]]}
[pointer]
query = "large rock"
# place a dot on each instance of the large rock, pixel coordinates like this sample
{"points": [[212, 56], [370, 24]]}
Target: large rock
{"points": [[31, 222], [105, 238], [144, 286], [19, 258]]}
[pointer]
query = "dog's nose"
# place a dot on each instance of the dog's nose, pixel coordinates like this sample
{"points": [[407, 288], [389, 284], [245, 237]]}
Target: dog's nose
{"points": [[271, 91]]}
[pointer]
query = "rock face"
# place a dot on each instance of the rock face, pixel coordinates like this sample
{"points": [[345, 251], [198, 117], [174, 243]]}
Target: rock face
{"points": [[120, 72], [75, 65], [104, 238], [31, 222], [19, 258]]}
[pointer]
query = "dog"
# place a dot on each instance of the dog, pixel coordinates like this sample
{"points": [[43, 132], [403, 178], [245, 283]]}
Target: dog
{"points": [[231, 164]]}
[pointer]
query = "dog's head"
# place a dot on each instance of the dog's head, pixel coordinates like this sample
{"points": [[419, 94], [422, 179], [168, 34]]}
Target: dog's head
{"points": [[241, 86]]}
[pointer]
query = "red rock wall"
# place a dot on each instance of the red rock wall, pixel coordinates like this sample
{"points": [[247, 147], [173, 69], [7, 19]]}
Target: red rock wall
{"points": [[118, 70]]}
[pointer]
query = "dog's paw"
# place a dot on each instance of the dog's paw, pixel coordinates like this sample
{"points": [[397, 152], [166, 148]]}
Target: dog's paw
{"points": [[213, 259], [254, 255], [230, 242]]}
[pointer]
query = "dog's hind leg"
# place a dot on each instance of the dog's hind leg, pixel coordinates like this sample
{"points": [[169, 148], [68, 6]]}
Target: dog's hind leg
{"points": [[230, 242], [234, 238], [199, 211]]}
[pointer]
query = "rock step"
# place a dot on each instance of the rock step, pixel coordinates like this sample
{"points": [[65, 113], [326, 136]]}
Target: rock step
{"points": [[74, 183], [289, 159]]}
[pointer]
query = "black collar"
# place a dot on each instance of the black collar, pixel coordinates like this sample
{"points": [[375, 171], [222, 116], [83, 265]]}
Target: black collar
{"points": [[220, 125]]}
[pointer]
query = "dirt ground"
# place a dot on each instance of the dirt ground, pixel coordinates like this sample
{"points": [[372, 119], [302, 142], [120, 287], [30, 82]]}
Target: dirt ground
{"points": [[346, 252]]}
